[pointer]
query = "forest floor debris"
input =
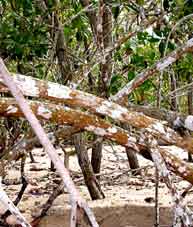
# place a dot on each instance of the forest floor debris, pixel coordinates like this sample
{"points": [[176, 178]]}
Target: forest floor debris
{"points": [[117, 182]]}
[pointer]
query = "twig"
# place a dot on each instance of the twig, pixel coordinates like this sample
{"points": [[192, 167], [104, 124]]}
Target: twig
{"points": [[174, 28], [126, 171], [186, 87], [185, 192], [56, 192], [23, 187], [156, 198]]}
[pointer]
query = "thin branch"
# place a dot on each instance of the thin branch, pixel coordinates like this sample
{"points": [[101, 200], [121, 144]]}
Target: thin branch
{"points": [[185, 89], [157, 212], [56, 192], [18, 198], [187, 17]]}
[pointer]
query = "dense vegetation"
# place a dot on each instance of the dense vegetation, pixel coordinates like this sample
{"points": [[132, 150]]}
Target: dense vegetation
{"points": [[98, 47]]}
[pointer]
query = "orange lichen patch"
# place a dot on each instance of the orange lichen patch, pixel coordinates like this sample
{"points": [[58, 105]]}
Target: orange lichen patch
{"points": [[62, 115], [62, 94], [186, 143], [178, 166], [138, 120], [84, 100], [9, 109], [43, 89], [74, 94], [80, 120], [3, 88], [95, 124]]}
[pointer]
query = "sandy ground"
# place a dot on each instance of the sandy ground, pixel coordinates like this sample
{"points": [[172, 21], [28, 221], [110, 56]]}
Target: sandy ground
{"points": [[117, 182]]}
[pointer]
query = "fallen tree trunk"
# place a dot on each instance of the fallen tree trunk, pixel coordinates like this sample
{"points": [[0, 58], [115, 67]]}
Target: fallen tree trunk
{"points": [[59, 114], [173, 118], [62, 94]]}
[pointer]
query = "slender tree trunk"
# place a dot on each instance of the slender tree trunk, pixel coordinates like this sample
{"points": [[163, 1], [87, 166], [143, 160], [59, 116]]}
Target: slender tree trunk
{"points": [[87, 170], [133, 161], [132, 157], [190, 96], [190, 108], [97, 155], [91, 16], [57, 35], [105, 73], [106, 65], [63, 59], [174, 104]]}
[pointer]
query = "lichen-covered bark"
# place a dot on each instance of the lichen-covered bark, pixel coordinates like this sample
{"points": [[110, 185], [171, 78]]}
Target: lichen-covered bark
{"points": [[80, 120], [58, 93], [157, 67], [64, 115], [154, 112], [178, 121], [62, 94]]}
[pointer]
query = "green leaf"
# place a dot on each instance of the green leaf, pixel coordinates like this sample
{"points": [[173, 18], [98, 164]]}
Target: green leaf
{"points": [[116, 11], [138, 60], [130, 75], [115, 84], [162, 47]]}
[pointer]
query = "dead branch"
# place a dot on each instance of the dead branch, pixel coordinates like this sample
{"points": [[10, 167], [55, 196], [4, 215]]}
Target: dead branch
{"points": [[74, 195], [157, 67], [62, 94], [56, 192], [83, 121], [65, 115], [175, 120]]}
